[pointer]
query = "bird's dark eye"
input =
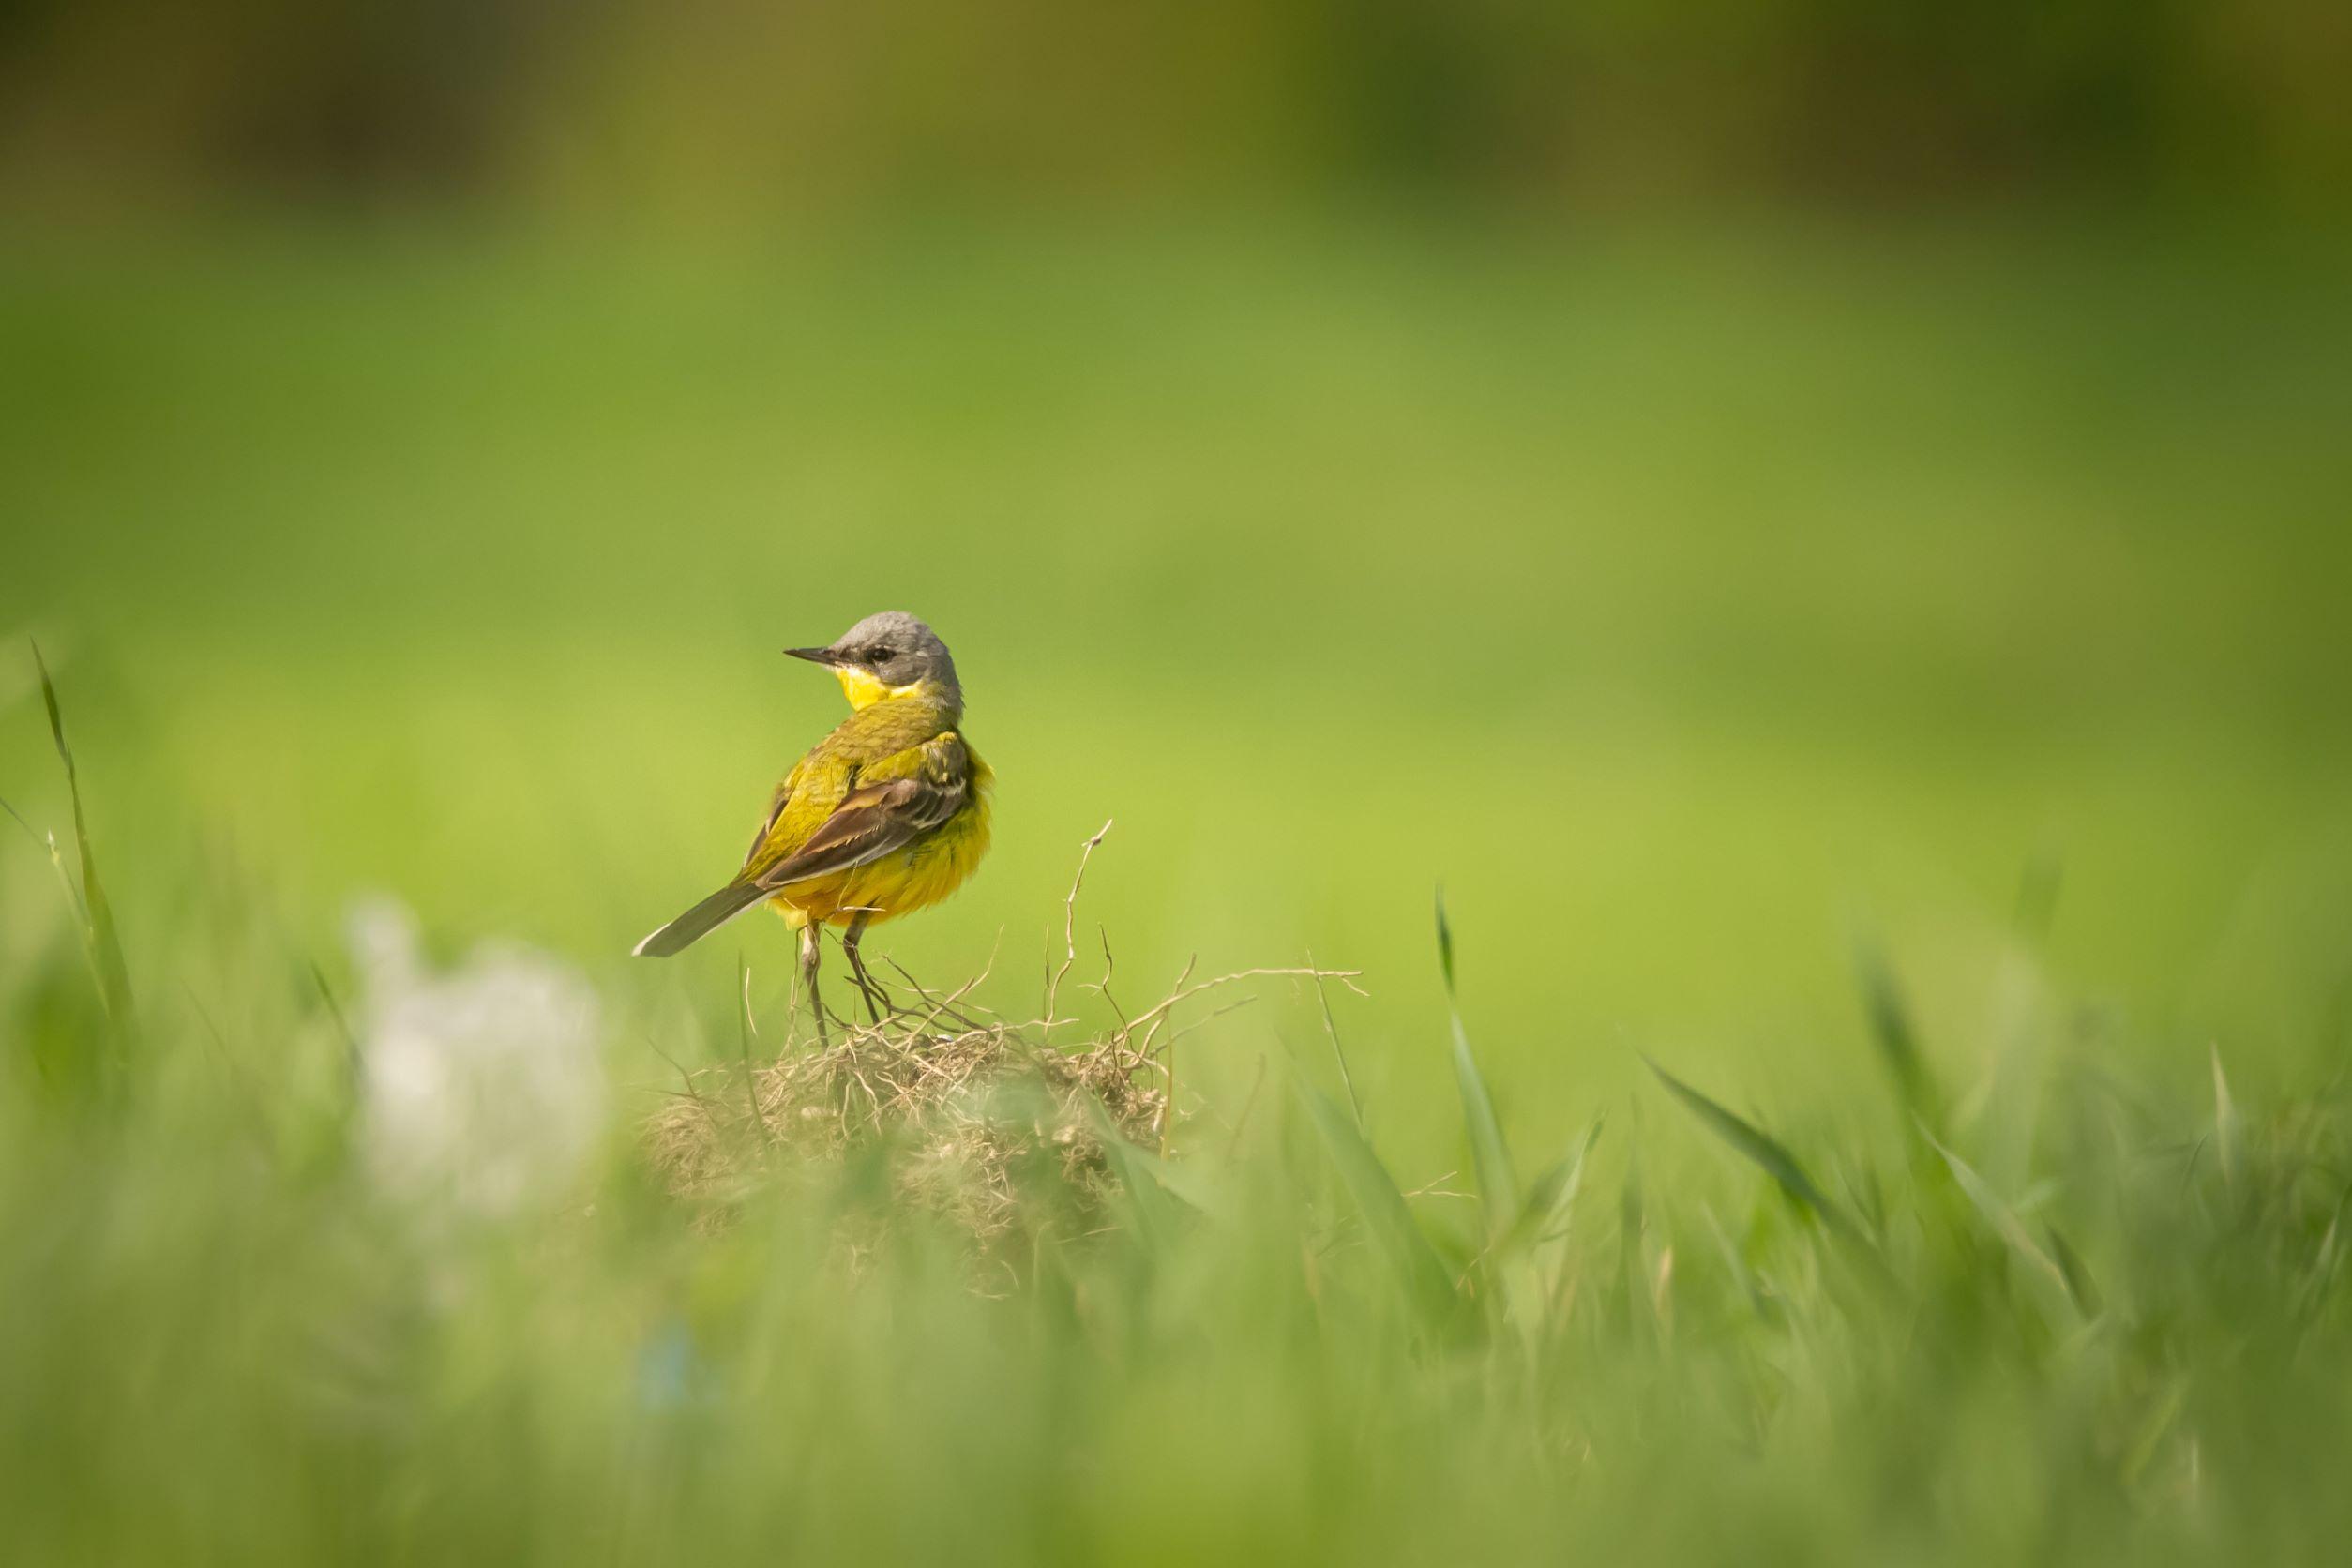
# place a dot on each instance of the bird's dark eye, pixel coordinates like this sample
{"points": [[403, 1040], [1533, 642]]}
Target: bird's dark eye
{"points": [[878, 655]]}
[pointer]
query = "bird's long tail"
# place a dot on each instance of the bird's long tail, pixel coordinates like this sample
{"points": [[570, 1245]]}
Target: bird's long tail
{"points": [[700, 920]]}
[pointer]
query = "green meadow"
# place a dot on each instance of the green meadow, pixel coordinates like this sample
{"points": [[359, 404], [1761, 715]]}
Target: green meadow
{"points": [[1897, 679]]}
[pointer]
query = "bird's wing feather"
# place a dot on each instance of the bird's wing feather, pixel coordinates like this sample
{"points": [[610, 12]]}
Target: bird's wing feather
{"points": [[898, 799]]}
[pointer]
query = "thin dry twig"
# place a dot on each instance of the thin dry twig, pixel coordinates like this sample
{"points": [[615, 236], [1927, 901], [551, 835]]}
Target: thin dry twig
{"points": [[1182, 976], [1330, 1029], [1346, 977], [684, 1077], [1203, 1021], [1069, 921], [940, 1006]]}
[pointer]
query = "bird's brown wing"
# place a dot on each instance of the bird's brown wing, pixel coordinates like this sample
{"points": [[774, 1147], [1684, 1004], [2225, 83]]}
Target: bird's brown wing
{"points": [[879, 818]]}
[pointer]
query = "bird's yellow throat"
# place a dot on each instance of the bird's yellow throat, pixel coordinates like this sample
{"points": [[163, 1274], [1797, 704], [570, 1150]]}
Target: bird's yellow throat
{"points": [[863, 689]]}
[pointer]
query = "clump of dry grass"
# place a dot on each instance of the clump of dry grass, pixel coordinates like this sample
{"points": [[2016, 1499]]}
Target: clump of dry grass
{"points": [[970, 1099], [967, 1106]]}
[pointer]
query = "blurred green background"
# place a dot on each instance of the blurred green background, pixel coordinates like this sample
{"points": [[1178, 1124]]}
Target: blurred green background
{"points": [[1705, 484], [1716, 486]]}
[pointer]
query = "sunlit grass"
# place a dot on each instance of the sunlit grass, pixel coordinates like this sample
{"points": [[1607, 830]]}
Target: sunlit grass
{"points": [[1893, 686], [225, 1334]]}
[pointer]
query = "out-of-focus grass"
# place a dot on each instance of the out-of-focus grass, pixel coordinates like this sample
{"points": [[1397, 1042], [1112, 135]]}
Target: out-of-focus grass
{"points": [[220, 1340], [1695, 606]]}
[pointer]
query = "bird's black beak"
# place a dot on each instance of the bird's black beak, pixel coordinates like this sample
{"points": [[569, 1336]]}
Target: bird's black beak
{"points": [[815, 655]]}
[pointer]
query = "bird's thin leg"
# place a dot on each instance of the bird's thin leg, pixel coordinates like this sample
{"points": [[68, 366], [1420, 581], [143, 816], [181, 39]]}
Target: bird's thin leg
{"points": [[876, 1000], [810, 952]]}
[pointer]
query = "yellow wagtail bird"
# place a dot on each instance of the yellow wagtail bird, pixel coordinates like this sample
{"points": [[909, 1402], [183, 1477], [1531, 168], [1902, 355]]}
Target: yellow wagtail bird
{"points": [[888, 813]]}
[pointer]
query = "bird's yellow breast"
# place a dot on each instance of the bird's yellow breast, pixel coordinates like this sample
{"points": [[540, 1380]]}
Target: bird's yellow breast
{"points": [[922, 873]]}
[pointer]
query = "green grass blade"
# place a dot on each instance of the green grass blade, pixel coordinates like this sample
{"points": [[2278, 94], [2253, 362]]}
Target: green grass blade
{"points": [[2077, 1277], [1188, 1182], [2224, 1124], [105, 944], [1153, 1211], [1331, 1032], [1420, 1275], [1766, 1152], [2160, 1416], [1892, 1030], [1632, 1224], [1518, 1262], [1445, 944], [1490, 1157], [2010, 1229], [1550, 1197]]}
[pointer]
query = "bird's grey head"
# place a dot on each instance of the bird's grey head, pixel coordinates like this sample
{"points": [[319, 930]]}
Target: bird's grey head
{"points": [[894, 648]]}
